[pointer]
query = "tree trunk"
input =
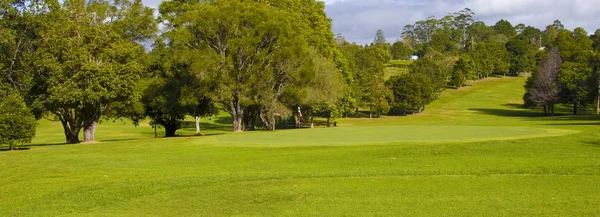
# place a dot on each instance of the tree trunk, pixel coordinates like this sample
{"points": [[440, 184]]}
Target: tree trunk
{"points": [[71, 127], [574, 108], [170, 131], [273, 123], [237, 113], [72, 137], [356, 112], [370, 111], [312, 122], [12, 146], [545, 110], [328, 122], [89, 131], [198, 126], [237, 123], [268, 119]]}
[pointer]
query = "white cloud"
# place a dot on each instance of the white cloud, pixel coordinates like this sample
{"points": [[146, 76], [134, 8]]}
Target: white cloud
{"points": [[358, 20]]}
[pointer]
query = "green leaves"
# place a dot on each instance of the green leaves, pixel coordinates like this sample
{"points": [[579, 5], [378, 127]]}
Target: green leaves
{"points": [[85, 62], [411, 91], [17, 124], [255, 54]]}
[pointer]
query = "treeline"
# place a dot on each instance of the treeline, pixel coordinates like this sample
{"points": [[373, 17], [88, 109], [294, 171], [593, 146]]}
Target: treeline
{"points": [[84, 61], [457, 48]]}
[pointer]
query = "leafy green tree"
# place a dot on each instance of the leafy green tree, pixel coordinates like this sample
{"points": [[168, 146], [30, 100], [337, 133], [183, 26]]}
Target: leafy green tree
{"points": [[522, 55], [558, 25], [506, 28], [411, 91], [254, 53], [575, 46], [549, 36], [400, 51], [82, 65], [578, 84], [311, 18], [437, 67], [462, 70], [20, 23], [596, 40], [174, 91], [442, 41], [326, 92], [519, 28], [421, 32], [369, 78], [17, 124], [490, 57], [534, 35], [379, 37], [457, 25], [479, 32]]}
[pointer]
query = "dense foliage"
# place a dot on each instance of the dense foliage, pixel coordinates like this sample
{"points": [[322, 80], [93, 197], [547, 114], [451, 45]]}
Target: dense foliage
{"points": [[17, 124]]}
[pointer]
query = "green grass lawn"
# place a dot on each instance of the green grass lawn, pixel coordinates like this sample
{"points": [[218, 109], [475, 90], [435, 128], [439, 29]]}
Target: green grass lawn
{"points": [[473, 152], [392, 71]]}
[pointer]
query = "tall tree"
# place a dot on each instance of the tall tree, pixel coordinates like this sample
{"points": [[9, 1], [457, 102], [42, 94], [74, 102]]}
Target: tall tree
{"points": [[558, 25], [82, 66], [506, 28], [174, 91], [369, 77], [575, 46], [400, 51], [20, 23], [463, 69], [17, 124], [519, 28], [379, 37], [411, 91], [461, 22], [549, 36], [252, 52], [490, 57], [522, 55], [479, 32], [578, 84], [543, 87], [596, 40]]}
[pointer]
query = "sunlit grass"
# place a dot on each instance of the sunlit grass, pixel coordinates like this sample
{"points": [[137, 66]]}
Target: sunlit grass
{"points": [[511, 161]]}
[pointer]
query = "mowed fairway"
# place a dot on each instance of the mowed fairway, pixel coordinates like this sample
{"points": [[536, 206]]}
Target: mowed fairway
{"points": [[474, 152]]}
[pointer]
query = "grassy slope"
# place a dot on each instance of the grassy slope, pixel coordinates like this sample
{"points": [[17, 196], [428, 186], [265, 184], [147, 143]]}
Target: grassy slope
{"points": [[391, 71], [220, 175]]}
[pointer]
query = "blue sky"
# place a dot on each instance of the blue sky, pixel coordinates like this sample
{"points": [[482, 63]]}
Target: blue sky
{"points": [[358, 20]]}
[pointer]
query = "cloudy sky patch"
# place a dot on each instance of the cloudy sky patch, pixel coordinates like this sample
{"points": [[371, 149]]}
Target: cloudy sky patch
{"points": [[358, 20]]}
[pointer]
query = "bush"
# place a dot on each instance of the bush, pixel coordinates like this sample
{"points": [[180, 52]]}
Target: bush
{"points": [[17, 123]]}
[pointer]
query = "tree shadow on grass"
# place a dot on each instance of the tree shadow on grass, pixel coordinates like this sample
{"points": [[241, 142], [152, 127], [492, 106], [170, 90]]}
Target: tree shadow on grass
{"points": [[508, 112], [206, 126], [46, 144], [227, 120], [20, 148], [575, 124], [118, 140], [514, 105], [592, 143]]}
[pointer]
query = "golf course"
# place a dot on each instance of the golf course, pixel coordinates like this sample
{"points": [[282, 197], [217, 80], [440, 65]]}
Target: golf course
{"points": [[473, 152]]}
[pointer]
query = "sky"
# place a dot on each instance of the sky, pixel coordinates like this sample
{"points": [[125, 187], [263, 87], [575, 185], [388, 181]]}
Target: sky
{"points": [[358, 20]]}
